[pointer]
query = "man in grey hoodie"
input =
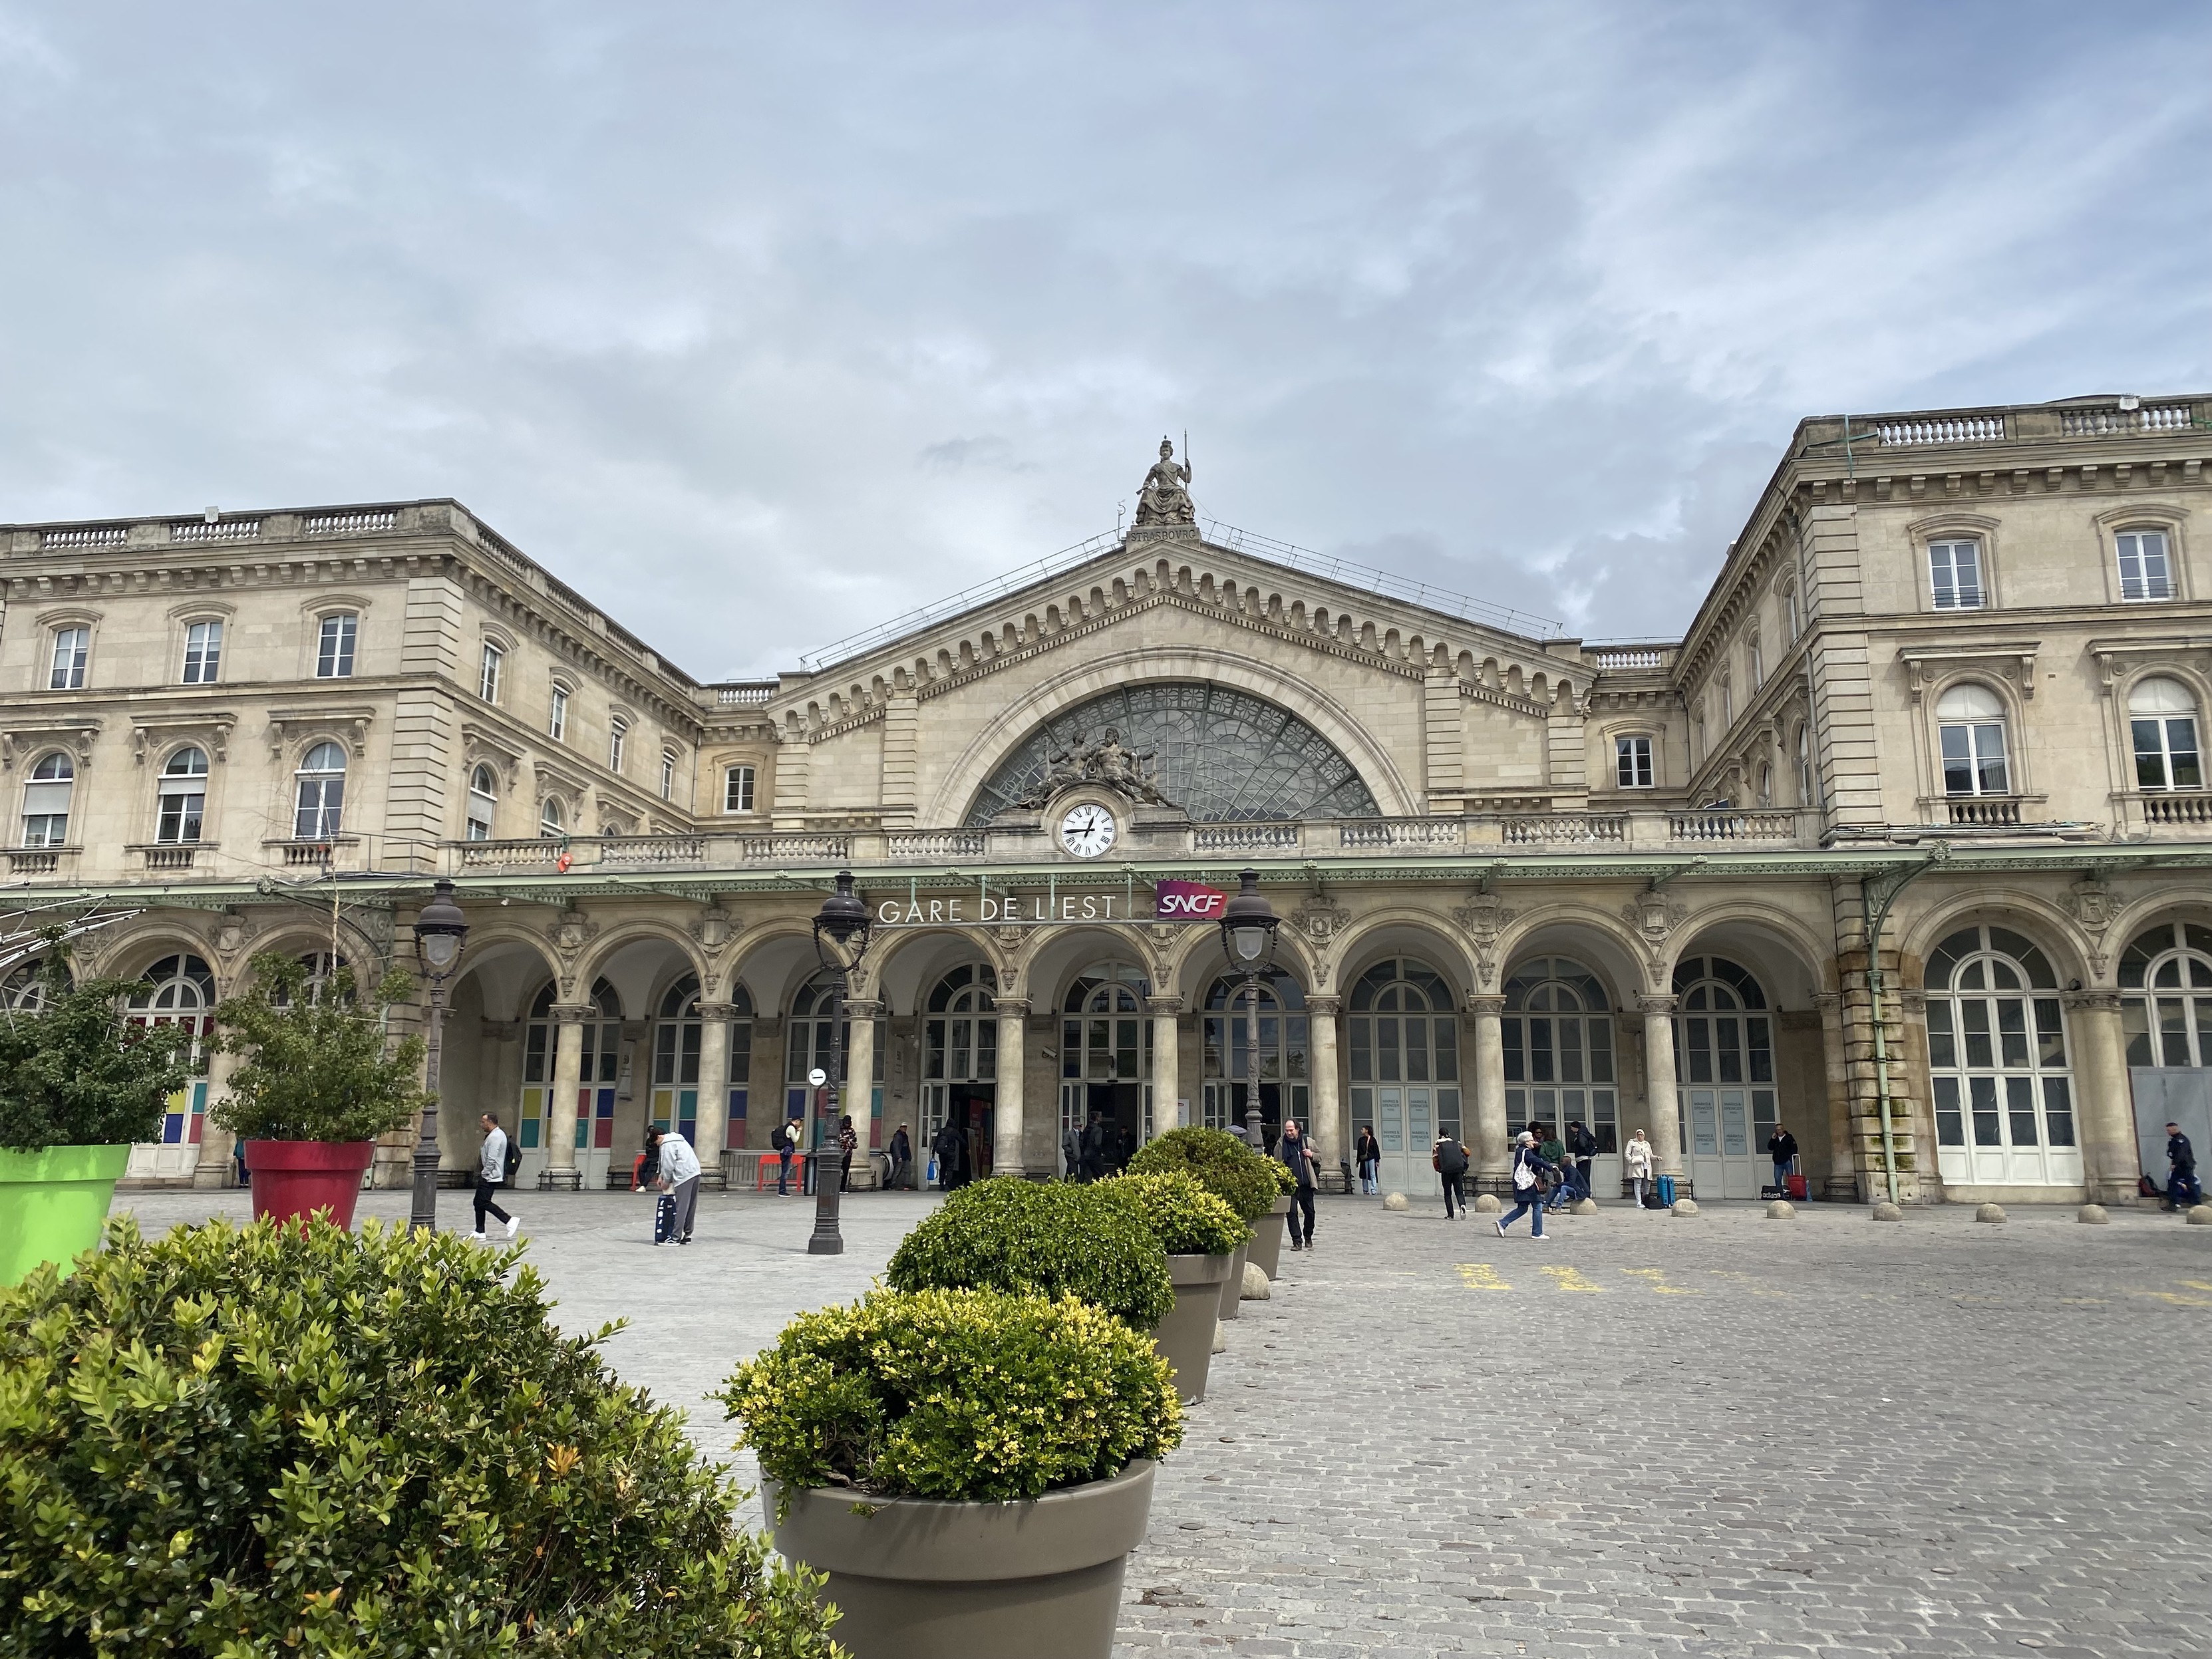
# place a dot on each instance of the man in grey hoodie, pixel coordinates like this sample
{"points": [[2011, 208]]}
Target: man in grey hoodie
{"points": [[491, 1172]]}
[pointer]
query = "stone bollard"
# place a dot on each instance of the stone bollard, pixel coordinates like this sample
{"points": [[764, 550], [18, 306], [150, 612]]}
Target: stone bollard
{"points": [[1257, 1287], [1583, 1206], [2092, 1215], [1487, 1204], [1397, 1201], [1220, 1337], [2200, 1215], [1887, 1211], [1990, 1212], [1781, 1210], [1685, 1207]]}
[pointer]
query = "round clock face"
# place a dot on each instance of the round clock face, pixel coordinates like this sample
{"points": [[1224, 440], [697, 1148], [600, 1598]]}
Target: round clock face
{"points": [[1087, 831]]}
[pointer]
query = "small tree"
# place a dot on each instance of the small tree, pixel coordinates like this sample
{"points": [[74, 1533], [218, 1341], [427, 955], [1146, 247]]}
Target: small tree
{"points": [[76, 1070], [319, 1066]]}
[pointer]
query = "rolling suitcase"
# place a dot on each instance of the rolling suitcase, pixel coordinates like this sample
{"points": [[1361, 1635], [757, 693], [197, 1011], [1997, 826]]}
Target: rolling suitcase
{"points": [[663, 1218], [1793, 1186]]}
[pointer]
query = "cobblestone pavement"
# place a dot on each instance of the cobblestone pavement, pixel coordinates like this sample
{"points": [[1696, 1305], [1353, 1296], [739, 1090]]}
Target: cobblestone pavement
{"points": [[1652, 1435]]}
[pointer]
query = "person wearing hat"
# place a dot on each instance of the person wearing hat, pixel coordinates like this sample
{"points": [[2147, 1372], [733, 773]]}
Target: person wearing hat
{"points": [[2182, 1191], [1529, 1174]]}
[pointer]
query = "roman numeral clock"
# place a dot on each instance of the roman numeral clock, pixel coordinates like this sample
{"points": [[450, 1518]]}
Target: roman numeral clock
{"points": [[1087, 830]]}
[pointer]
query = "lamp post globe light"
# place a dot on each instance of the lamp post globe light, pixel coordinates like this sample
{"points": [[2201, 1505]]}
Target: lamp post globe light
{"points": [[840, 937], [1248, 934], [440, 933]]}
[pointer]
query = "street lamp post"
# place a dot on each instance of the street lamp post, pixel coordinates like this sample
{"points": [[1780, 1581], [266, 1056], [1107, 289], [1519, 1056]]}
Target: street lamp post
{"points": [[1248, 934], [439, 931], [840, 937]]}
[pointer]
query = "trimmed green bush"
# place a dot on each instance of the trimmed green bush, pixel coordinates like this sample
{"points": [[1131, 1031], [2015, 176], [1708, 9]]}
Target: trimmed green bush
{"points": [[1181, 1214], [1221, 1162], [966, 1395], [1039, 1238], [1285, 1182], [238, 1441], [320, 1066], [75, 1072]]}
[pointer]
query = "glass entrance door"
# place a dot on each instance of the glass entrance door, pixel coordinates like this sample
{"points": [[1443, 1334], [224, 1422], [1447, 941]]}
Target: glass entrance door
{"points": [[1724, 1078], [1402, 1055], [1558, 1037]]}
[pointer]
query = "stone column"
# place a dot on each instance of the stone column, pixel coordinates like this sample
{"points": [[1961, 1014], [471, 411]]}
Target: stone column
{"points": [[561, 1173], [1167, 1062], [2104, 1105], [1841, 1184], [1006, 1104], [1659, 1084], [217, 1164], [1493, 1135], [714, 1089], [859, 1095], [1327, 1125]]}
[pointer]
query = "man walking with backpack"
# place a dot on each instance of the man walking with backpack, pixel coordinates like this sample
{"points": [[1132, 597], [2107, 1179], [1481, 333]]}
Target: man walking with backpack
{"points": [[1449, 1157], [491, 1174]]}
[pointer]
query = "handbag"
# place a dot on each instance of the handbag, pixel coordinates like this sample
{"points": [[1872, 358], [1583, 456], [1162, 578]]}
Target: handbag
{"points": [[932, 1169]]}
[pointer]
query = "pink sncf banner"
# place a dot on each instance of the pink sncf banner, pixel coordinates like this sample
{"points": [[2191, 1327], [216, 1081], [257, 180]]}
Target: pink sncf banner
{"points": [[1188, 900]]}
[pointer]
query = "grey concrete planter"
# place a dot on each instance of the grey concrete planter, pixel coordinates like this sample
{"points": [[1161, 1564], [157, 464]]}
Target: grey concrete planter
{"points": [[1185, 1337], [1232, 1288], [1265, 1252], [921, 1579]]}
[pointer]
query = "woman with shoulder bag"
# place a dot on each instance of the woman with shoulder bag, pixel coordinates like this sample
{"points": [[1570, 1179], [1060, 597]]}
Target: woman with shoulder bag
{"points": [[1530, 1175]]}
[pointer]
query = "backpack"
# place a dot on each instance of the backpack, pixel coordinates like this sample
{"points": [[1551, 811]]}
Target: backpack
{"points": [[1449, 1159], [512, 1162]]}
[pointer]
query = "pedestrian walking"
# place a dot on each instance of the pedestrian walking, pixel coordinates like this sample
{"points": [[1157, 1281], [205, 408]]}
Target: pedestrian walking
{"points": [[1636, 1165], [1448, 1157], [1071, 1154], [677, 1175], [901, 1150], [1368, 1151], [1582, 1145], [1530, 1172], [1094, 1148], [2183, 1191], [786, 1143], [947, 1146], [1292, 1150], [848, 1142], [1782, 1147], [491, 1170]]}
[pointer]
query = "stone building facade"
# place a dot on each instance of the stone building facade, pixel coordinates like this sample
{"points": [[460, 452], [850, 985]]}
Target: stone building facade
{"points": [[1946, 690]]}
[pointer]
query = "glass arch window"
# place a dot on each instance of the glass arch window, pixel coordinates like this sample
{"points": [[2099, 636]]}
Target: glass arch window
{"points": [[181, 803], [320, 803], [1969, 721], [960, 1028], [1997, 1058], [24, 990], [1222, 754], [676, 1044], [484, 803], [596, 1076], [46, 801], [551, 826], [1558, 1037], [1104, 1036], [2162, 722], [1724, 1074], [180, 990], [1401, 1043], [2166, 995], [1284, 1057]]}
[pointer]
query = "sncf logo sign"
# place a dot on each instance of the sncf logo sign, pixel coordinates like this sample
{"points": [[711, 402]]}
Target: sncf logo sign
{"points": [[1188, 900]]}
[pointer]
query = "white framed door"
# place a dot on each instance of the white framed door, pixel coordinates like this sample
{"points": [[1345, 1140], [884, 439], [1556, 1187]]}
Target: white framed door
{"points": [[1725, 1092]]}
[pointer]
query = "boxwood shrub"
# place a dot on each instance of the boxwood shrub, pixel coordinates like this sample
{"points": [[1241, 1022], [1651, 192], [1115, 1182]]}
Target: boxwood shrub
{"points": [[1044, 1238], [1221, 1162], [238, 1441], [1181, 1214], [967, 1395]]}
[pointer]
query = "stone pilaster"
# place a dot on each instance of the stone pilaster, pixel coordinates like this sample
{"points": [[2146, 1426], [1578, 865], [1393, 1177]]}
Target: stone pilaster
{"points": [[1493, 1142], [561, 1173], [1327, 1125]]}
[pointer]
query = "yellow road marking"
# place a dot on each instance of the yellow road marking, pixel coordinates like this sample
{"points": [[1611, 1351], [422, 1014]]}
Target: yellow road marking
{"points": [[1481, 1276], [1567, 1279], [1751, 1285], [2195, 1284], [2086, 1301], [2174, 1298], [1659, 1284]]}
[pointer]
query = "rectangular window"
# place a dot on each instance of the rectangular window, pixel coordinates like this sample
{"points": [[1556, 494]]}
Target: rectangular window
{"points": [[334, 649], [1755, 664], [668, 774], [72, 648], [495, 661], [2166, 753], [181, 810], [1974, 759], [557, 727], [203, 653], [2146, 572], [738, 789], [1954, 574], [1632, 762], [46, 812], [618, 733]]}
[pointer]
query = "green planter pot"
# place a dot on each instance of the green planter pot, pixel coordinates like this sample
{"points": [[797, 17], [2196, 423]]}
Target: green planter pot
{"points": [[53, 1204]]}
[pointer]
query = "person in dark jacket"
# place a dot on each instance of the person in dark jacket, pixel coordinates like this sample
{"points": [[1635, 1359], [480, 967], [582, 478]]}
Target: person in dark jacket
{"points": [[1581, 1147], [1292, 1150], [2182, 1190], [1071, 1154], [1782, 1147], [785, 1142], [901, 1152], [1552, 1152], [948, 1146], [1367, 1153], [1530, 1171], [848, 1142], [1449, 1157], [1095, 1135]]}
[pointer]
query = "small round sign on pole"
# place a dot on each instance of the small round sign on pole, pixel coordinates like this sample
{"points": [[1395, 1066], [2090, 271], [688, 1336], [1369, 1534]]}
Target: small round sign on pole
{"points": [[818, 1076]]}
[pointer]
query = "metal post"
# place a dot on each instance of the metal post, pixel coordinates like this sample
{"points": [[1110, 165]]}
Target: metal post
{"points": [[424, 1219], [826, 1240], [1254, 1132]]}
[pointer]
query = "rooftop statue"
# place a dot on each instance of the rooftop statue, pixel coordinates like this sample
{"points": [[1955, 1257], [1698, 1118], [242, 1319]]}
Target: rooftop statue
{"points": [[1165, 498], [1109, 761]]}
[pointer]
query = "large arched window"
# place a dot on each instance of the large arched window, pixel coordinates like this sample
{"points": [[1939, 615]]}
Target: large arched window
{"points": [[484, 803], [24, 990], [1219, 754], [1284, 1059], [2162, 722], [552, 823], [676, 1038], [1104, 1036], [1997, 1056], [597, 1077], [1402, 1043], [2166, 989], [318, 804], [181, 802], [1724, 1075], [46, 801], [1557, 1035], [180, 990], [1969, 722]]}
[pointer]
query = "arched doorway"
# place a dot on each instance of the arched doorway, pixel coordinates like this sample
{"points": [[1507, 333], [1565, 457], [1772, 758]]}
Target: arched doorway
{"points": [[1401, 1043], [1725, 1092], [676, 1038], [960, 1068], [1106, 1054], [1557, 1033], [1997, 1064], [2166, 1011], [1284, 1060], [597, 1078], [178, 990]]}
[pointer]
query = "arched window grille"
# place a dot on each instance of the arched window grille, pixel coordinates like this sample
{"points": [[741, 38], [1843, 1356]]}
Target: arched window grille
{"points": [[2166, 995], [1997, 1062], [1402, 1041], [1557, 1031]]}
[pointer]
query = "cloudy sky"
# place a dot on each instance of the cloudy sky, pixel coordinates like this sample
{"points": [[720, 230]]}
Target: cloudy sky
{"points": [[762, 324]]}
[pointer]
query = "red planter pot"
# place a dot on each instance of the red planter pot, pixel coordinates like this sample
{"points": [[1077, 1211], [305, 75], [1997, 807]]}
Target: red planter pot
{"points": [[295, 1178]]}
